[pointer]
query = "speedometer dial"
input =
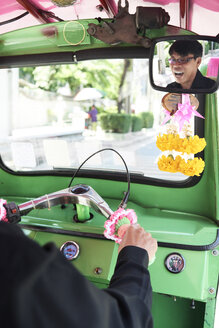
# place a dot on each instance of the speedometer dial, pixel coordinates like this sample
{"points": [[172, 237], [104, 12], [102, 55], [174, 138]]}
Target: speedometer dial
{"points": [[175, 263], [70, 250]]}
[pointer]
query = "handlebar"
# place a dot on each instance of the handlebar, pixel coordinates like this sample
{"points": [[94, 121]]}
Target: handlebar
{"points": [[79, 194]]}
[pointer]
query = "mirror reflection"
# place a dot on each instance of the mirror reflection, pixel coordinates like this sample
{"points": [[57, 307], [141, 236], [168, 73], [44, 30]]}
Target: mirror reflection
{"points": [[186, 64]]}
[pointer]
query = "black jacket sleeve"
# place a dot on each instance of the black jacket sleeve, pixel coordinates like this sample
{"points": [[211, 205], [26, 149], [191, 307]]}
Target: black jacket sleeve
{"points": [[40, 288]]}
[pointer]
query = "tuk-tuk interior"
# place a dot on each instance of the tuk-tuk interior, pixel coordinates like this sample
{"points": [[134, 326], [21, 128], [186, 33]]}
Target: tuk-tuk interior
{"points": [[44, 140]]}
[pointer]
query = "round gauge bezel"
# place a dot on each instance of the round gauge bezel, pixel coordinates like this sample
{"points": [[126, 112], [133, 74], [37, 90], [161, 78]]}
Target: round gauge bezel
{"points": [[66, 244], [168, 257]]}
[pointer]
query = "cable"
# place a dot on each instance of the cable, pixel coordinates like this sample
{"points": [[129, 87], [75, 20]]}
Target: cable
{"points": [[126, 196], [14, 19]]}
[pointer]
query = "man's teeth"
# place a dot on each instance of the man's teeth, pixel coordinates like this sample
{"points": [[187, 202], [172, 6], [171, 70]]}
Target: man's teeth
{"points": [[178, 73]]}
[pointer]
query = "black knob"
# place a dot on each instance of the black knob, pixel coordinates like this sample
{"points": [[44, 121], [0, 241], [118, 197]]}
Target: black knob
{"points": [[82, 189]]}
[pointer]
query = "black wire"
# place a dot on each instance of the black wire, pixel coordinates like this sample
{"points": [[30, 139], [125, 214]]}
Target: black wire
{"points": [[14, 19], [125, 198]]}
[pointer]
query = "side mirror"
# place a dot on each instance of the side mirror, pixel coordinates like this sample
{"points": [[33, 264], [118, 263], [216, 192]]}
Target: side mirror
{"points": [[185, 64]]}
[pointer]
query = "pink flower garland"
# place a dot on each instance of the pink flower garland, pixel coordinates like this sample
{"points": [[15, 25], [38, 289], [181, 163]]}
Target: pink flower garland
{"points": [[110, 225], [3, 212]]}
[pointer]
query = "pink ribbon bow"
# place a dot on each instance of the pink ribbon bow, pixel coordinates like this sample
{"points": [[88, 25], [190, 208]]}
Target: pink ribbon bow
{"points": [[184, 113]]}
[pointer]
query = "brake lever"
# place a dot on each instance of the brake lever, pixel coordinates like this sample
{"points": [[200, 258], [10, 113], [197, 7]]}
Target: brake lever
{"points": [[78, 194]]}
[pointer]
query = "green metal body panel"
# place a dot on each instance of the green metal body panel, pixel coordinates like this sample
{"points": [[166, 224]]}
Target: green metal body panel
{"points": [[92, 253], [166, 226], [201, 267], [177, 312], [193, 282], [209, 313], [68, 36], [186, 216]]}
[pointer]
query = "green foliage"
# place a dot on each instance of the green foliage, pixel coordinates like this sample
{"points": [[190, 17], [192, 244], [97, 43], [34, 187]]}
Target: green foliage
{"points": [[203, 69], [167, 62], [123, 123], [167, 46], [118, 123], [137, 123], [100, 74], [26, 73], [110, 109], [206, 47], [104, 121], [148, 119]]}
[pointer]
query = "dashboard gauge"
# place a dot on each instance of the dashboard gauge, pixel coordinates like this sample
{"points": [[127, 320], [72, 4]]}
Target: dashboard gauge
{"points": [[70, 250], [175, 262]]}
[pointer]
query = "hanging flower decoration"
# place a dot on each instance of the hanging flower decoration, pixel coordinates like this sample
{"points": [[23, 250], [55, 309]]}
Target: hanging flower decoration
{"points": [[179, 143], [118, 223]]}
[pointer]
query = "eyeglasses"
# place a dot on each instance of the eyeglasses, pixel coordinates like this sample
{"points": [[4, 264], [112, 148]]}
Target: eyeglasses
{"points": [[180, 61]]}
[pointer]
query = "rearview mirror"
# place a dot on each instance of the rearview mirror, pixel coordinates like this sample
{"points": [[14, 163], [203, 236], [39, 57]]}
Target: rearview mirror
{"points": [[185, 64]]}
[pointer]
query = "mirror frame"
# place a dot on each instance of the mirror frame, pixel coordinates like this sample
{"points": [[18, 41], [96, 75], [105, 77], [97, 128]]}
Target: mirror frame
{"points": [[180, 37]]}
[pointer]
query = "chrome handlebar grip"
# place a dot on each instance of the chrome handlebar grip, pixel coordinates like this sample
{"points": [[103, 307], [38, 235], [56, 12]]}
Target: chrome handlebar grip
{"points": [[78, 194]]}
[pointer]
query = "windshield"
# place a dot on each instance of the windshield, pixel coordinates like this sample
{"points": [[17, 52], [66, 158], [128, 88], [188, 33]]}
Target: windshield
{"points": [[56, 116]]}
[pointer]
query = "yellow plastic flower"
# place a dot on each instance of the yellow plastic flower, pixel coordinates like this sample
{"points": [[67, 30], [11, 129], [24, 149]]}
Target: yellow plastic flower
{"points": [[191, 167], [167, 164], [190, 145]]}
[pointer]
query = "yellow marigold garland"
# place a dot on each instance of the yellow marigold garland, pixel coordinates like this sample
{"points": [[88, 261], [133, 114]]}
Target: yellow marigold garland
{"points": [[191, 167], [189, 145]]}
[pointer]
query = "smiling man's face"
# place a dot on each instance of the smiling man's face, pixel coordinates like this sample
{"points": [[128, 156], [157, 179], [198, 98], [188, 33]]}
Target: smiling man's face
{"points": [[184, 69]]}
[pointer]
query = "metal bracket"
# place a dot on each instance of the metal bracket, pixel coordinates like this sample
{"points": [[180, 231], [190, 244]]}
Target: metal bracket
{"points": [[124, 26]]}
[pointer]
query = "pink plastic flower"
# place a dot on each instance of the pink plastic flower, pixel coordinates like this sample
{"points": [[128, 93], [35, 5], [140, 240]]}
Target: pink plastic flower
{"points": [[3, 212], [111, 225]]}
